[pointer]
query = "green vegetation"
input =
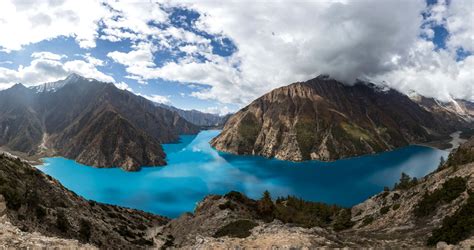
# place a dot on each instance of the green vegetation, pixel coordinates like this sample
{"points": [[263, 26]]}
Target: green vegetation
{"points": [[457, 227], [265, 207], [227, 205], [450, 190], [384, 210], [405, 182], [236, 229], [396, 206], [355, 131], [367, 220], [248, 130], [62, 222], [462, 155], [395, 196], [305, 213], [343, 220], [305, 136], [85, 229]]}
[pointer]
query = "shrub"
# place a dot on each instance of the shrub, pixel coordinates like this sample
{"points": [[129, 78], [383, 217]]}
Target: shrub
{"points": [[396, 206], [305, 213], [62, 222], [85, 229], [367, 220], [405, 182], [395, 196], [237, 229], [343, 220], [227, 205], [457, 227], [450, 190], [40, 212], [384, 210]]}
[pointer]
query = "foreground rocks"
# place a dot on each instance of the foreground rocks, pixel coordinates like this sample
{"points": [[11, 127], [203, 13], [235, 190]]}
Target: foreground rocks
{"points": [[37, 204]]}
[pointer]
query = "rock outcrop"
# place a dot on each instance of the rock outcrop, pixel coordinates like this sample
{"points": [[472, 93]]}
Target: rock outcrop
{"points": [[89, 121], [36, 210], [323, 119]]}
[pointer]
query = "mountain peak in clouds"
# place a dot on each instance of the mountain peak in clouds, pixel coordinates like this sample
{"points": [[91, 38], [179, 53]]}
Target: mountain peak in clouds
{"points": [[55, 86]]}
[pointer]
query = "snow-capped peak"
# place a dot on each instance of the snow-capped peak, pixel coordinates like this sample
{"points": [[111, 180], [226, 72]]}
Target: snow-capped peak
{"points": [[55, 86]]}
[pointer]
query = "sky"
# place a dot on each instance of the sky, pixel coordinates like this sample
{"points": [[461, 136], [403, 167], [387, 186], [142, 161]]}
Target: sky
{"points": [[217, 56]]}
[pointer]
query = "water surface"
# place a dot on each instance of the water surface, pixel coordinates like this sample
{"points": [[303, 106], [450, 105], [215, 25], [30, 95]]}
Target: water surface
{"points": [[195, 170]]}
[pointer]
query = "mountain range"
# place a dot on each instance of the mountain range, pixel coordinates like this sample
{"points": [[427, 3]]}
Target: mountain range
{"points": [[323, 119], [206, 120], [89, 121]]}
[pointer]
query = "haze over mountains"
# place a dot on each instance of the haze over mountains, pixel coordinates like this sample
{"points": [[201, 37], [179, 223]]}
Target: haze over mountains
{"points": [[89, 121], [323, 119]]}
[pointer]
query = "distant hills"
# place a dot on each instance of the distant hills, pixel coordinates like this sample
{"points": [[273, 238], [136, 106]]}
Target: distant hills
{"points": [[197, 117], [89, 121], [323, 119]]}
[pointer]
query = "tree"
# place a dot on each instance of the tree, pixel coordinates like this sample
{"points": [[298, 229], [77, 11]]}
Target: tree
{"points": [[442, 161], [266, 207], [405, 182]]}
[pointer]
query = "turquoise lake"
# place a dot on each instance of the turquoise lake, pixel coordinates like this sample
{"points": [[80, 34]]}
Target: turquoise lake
{"points": [[195, 170]]}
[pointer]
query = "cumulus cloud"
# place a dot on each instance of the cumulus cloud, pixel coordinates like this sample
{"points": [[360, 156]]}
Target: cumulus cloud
{"points": [[275, 43], [157, 98], [48, 67], [26, 22]]}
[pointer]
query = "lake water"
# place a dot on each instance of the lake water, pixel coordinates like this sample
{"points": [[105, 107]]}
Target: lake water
{"points": [[195, 170]]}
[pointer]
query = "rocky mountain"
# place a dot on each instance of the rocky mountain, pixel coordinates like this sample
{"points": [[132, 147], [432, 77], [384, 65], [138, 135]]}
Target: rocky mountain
{"points": [[89, 121], [36, 209], [323, 119], [454, 112], [197, 117]]}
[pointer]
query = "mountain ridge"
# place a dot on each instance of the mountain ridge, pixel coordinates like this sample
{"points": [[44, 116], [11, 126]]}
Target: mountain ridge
{"points": [[75, 120], [323, 119]]}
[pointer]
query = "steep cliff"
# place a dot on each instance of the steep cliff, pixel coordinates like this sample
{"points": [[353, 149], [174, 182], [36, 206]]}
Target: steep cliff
{"points": [[323, 119]]}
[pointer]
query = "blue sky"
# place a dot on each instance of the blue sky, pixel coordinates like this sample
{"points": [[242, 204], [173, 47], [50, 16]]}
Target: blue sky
{"points": [[217, 58]]}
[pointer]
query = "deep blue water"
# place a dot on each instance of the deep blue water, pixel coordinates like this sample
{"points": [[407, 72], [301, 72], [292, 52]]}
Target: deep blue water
{"points": [[195, 170]]}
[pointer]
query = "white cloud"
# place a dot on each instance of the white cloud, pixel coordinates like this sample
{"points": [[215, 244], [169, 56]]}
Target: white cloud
{"points": [[157, 98], [460, 24], [26, 22], [432, 74], [218, 110], [47, 55], [48, 67], [123, 86], [276, 43]]}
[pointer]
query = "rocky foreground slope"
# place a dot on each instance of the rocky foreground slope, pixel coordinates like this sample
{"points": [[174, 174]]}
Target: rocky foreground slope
{"points": [[89, 121], [39, 206], [323, 119]]}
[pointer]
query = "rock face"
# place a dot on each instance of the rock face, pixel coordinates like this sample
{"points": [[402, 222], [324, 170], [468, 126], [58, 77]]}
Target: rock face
{"points": [[323, 119], [454, 112], [45, 211], [89, 121]]}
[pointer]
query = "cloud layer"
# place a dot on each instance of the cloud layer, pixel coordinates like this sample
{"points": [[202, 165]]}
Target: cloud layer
{"points": [[272, 44]]}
